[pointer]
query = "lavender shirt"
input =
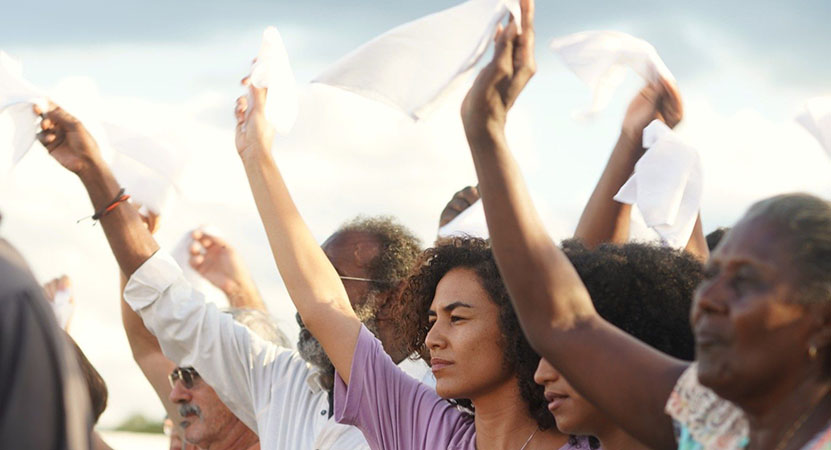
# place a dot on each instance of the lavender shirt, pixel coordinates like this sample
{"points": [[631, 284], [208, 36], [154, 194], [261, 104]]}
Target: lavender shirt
{"points": [[394, 411]]}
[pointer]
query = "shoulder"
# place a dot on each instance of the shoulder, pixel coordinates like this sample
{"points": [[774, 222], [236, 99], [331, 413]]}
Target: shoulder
{"points": [[703, 416]]}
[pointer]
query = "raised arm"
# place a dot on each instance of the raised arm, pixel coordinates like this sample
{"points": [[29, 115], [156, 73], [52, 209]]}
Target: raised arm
{"points": [[625, 378], [311, 280], [217, 261], [72, 146], [604, 219]]}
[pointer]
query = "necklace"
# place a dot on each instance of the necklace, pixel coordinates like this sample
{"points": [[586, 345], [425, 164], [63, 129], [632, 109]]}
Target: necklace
{"points": [[796, 425], [529, 439]]}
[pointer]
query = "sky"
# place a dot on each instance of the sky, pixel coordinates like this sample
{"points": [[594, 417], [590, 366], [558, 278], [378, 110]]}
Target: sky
{"points": [[744, 70]]}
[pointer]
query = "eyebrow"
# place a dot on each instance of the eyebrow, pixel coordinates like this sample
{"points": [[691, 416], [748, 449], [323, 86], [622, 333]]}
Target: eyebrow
{"points": [[450, 307]]}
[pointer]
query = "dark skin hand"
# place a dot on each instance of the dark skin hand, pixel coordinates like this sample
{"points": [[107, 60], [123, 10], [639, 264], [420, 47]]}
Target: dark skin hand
{"points": [[606, 220], [461, 201], [71, 145], [627, 379]]}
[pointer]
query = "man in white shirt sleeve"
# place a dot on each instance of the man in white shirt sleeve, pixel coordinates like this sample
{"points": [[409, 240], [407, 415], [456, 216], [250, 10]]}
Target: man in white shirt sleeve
{"points": [[284, 395], [267, 387]]}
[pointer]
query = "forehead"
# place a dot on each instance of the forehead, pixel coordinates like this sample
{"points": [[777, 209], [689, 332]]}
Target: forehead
{"points": [[754, 240], [461, 284], [341, 246]]}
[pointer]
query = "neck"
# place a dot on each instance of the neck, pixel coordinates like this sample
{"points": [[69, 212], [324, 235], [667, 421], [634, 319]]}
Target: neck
{"points": [[613, 437], [503, 422], [793, 414], [236, 436]]}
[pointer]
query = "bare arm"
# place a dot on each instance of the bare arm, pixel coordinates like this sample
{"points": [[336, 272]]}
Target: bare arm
{"points": [[604, 219], [217, 261], [311, 280], [627, 379]]}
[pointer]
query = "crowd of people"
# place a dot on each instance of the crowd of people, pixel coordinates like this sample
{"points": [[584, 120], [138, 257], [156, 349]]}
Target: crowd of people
{"points": [[509, 342]]}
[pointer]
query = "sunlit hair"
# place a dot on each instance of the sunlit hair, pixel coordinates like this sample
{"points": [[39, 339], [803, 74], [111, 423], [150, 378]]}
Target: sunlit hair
{"points": [[805, 222], [399, 249], [417, 296]]}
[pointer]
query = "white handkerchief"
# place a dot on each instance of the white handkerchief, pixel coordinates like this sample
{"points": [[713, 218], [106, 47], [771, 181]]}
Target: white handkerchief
{"points": [[601, 59], [148, 168], [18, 124], [181, 253], [470, 222], [666, 186], [816, 118], [414, 66], [62, 307], [272, 70]]}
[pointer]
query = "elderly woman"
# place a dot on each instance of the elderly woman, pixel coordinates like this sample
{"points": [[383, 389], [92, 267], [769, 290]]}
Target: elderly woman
{"points": [[762, 317]]}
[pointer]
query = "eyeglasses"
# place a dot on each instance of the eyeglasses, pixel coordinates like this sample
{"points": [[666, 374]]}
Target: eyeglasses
{"points": [[187, 374], [361, 279]]}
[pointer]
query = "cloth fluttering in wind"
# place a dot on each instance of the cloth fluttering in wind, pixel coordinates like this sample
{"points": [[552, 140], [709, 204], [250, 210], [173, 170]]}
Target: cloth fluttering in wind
{"points": [[416, 65], [272, 70], [816, 118], [667, 185], [602, 58]]}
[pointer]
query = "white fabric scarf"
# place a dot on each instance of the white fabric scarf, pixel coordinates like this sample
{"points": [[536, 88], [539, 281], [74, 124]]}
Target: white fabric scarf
{"points": [[272, 70], [816, 118], [666, 186], [414, 66], [601, 59], [18, 124]]}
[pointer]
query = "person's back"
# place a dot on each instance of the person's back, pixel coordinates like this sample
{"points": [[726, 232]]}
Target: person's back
{"points": [[43, 399]]}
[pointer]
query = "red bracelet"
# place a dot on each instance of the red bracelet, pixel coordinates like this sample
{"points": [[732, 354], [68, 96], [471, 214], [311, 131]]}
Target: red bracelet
{"points": [[119, 199]]}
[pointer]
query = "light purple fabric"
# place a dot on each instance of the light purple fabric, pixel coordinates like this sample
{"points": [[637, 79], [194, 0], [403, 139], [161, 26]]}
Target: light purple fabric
{"points": [[394, 411]]}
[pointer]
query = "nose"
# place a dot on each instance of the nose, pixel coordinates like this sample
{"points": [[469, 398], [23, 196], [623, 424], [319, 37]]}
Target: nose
{"points": [[179, 393], [710, 298], [436, 338], [545, 373]]}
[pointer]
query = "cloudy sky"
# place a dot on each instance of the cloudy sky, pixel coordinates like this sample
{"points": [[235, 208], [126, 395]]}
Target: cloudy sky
{"points": [[744, 69]]}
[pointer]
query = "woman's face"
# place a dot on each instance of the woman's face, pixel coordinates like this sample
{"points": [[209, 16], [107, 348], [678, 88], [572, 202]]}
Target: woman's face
{"points": [[573, 414], [464, 338], [750, 334]]}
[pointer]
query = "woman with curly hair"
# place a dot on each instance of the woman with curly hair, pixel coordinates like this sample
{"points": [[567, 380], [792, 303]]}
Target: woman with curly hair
{"points": [[761, 317], [645, 290]]}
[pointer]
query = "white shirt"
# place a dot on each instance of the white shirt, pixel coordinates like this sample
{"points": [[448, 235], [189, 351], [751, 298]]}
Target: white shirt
{"points": [[269, 388]]}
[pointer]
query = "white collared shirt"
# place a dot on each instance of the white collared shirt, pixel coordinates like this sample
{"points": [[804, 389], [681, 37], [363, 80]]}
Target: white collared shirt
{"points": [[269, 388]]}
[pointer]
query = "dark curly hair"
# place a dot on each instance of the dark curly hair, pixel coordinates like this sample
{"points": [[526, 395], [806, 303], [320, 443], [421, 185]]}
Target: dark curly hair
{"points": [[400, 249], [644, 289], [417, 296]]}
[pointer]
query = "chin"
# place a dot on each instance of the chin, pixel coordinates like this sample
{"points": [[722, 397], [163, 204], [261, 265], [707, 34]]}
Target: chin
{"points": [[715, 374]]}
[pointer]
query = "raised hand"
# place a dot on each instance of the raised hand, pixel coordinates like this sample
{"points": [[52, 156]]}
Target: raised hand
{"points": [[220, 264], [254, 134], [498, 85], [59, 295], [67, 140], [660, 100], [461, 201]]}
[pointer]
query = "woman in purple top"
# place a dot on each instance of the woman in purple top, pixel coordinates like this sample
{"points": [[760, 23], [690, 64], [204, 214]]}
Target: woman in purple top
{"points": [[393, 410], [455, 308]]}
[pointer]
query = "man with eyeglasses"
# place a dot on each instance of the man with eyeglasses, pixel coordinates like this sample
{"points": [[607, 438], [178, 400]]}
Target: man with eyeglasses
{"points": [[270, 389]]}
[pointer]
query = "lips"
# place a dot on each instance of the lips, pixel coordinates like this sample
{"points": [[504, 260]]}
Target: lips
{"points": [[437, 364], [707, 339], [555, 400]]}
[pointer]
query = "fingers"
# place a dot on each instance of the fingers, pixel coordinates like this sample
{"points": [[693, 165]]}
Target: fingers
{"points": [[64, 282], [504, 49], [240, 109], [196, 261], [469, 194], [527, 17], [672, 108]]}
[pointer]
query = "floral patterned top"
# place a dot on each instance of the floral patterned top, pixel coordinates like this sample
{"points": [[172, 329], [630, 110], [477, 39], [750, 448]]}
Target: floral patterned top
{"points": [[703, 420]]}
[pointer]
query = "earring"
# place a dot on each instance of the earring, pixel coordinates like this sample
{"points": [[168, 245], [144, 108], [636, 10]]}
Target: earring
{"points": [[812, 351]]}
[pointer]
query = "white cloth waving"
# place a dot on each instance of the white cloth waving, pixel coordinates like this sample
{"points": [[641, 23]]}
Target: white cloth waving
{"points": [[18, 124], [666, 186], [601, 59], [816, 118], [414, 66], [272, 70]]}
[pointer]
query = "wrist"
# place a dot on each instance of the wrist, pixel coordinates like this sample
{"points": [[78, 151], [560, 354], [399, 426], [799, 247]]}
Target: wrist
{"points": [[256, 154], [485, 133], [631, 142]]}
